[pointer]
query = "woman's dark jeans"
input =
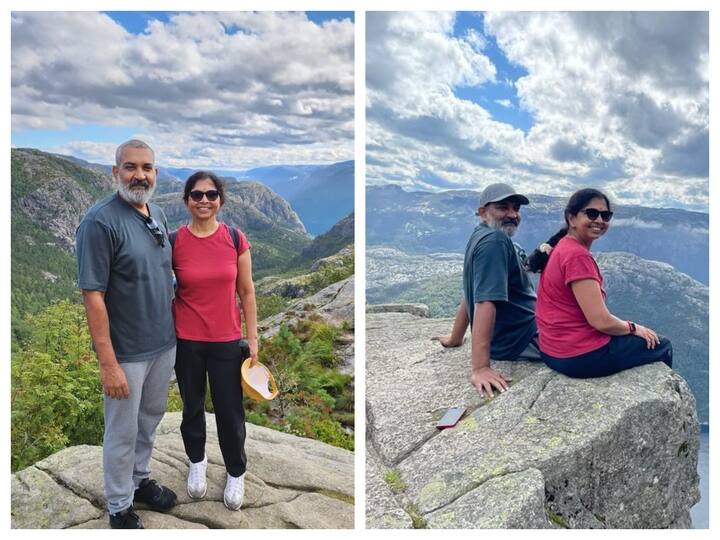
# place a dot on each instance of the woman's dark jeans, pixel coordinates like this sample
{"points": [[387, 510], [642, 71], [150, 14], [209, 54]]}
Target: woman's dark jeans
{"points": [[196, 363], [620, 353]]}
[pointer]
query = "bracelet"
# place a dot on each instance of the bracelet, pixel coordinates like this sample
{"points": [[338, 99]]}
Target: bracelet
{"points": [[631, 327]]}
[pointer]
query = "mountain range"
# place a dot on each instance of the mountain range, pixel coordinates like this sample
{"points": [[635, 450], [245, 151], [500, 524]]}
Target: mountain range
{"points": [[320, 194], [423, 222]]}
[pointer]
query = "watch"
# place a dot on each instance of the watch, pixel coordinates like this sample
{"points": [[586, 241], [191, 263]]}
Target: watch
{"points": [[632, 327]]}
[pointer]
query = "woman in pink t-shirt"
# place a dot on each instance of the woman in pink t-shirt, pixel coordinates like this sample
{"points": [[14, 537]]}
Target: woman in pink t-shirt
{"points": [[213, 267], [578, 335]]}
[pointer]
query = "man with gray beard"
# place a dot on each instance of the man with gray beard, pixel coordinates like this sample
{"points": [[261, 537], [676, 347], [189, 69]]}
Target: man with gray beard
{"points": [[125, 273], [499, 298]]}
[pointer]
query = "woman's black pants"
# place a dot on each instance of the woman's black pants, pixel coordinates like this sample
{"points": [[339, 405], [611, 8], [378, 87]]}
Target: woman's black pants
{"points": [[195, 363]]}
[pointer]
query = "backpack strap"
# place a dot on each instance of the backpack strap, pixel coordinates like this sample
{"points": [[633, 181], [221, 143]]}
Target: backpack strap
{"points": [[172, 236], [235, 237]]}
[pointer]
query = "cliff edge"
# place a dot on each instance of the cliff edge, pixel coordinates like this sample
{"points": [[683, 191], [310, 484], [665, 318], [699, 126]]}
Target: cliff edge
{"points": [[551, 452]]}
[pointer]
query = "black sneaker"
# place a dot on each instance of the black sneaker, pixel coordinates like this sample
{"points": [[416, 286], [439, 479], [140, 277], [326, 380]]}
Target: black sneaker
{"points": [[154, 495], [127, 519]]}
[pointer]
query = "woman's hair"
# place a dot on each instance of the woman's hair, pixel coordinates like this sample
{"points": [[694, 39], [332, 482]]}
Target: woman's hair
{"points": [[203, 175], [538, 259]]}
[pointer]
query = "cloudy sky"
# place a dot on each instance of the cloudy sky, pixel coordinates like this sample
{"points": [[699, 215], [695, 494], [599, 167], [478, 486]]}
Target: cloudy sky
{"points": [[222, 90], [548, 101]]}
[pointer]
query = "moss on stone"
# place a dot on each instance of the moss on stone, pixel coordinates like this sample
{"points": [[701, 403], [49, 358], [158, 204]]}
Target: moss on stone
{"points": [[336, 495], [432, 490], [469, 424], [446, 520], [558, 520]]}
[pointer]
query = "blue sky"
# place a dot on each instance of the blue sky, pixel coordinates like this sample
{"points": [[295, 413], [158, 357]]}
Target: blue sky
{"points": [[489, 94], [248, 89], [549, 101], [136, 21]]}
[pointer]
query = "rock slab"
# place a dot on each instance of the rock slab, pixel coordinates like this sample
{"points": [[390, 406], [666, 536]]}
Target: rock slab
{"points": [[291, 483], [613, 452]]}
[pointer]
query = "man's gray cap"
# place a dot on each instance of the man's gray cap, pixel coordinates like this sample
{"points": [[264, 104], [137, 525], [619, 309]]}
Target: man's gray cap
{"points": [[498, 192]]}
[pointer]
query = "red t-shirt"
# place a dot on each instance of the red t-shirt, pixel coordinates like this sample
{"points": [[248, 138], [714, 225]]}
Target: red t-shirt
{"points": [[205, 305], [564, 330]]}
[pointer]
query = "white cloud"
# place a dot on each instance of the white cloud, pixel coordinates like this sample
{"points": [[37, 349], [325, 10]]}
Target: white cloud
{"points": [[616, 99], [504, 103], [242, 87]]}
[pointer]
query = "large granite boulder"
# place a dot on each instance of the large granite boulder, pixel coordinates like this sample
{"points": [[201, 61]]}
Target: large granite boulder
{"points": [[613, 452], [291, 483]]}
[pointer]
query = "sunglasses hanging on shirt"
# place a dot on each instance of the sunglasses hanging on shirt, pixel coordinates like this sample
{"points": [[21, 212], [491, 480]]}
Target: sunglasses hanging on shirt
{"points": [[155, 230]]}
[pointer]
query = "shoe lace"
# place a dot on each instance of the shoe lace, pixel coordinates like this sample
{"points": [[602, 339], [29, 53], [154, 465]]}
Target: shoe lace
{"points": [[235, 486], [196, 473]]}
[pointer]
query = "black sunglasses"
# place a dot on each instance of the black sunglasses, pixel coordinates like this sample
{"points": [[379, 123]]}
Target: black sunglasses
{"points": [[197, 195], [593, 213], [156, 231]]}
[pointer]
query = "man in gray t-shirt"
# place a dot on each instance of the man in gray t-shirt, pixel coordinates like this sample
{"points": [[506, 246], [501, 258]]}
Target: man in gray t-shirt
{"points": [[125, 273], [499, 298]]}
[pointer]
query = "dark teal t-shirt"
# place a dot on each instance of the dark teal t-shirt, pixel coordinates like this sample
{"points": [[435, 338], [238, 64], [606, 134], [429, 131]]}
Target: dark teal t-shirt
{"points": [[117, 254], [493, 272]]}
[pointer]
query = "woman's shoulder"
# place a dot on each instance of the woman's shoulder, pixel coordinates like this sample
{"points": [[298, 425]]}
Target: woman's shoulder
{"points": [[568, 246]]}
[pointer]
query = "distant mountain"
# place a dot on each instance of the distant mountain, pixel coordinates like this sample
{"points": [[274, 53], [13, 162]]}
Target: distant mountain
{"points": [[321, 195], [340, 235], [649, 292], [285, 180], [423, 222]]}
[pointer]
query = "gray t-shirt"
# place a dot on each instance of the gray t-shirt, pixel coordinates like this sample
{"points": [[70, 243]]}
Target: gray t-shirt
{"points": [[118, 254], [492, 271]]}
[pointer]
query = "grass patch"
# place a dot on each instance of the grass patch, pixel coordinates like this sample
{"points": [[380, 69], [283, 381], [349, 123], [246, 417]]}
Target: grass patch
{"points": [[394, 481], [418, 520]]}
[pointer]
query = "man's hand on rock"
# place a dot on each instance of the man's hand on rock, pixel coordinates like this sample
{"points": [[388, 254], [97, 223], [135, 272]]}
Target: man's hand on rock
{"points": [[114, 382], [447, 341], [484, 379]]}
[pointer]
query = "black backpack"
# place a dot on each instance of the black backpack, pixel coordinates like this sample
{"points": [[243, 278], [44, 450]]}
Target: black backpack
{"points": [[233, 233]]}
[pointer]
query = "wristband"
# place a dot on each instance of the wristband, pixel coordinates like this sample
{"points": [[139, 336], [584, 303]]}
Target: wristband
{"points": [[631, 327]]}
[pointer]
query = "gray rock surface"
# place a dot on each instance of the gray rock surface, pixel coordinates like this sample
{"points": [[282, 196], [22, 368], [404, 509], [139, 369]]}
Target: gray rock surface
{"points": [[291, 483], [419, 310], [335, 304], [614, 452]]}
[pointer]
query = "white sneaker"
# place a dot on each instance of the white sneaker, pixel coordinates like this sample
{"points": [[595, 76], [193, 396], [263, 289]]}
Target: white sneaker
{"points": [[234, 491], [196, 482]]}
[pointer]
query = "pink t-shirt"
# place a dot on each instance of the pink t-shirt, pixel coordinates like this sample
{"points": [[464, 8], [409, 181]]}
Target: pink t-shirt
{"points": [[205, 305], [564, 330]]}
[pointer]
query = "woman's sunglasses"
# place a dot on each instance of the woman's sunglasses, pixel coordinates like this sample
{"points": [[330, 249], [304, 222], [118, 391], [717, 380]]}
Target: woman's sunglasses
{"points": [[593, 214], [197, 195]]}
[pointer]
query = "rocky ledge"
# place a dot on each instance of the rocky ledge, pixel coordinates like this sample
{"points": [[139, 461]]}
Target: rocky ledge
{"points": [[550, 452], [291, 483]]}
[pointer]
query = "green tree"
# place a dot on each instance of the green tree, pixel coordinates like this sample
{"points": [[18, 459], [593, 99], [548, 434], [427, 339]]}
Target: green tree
{"points": [[56, 396]]}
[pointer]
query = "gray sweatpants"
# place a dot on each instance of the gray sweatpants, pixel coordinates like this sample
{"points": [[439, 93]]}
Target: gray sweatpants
{"points": [[130, 427]]}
